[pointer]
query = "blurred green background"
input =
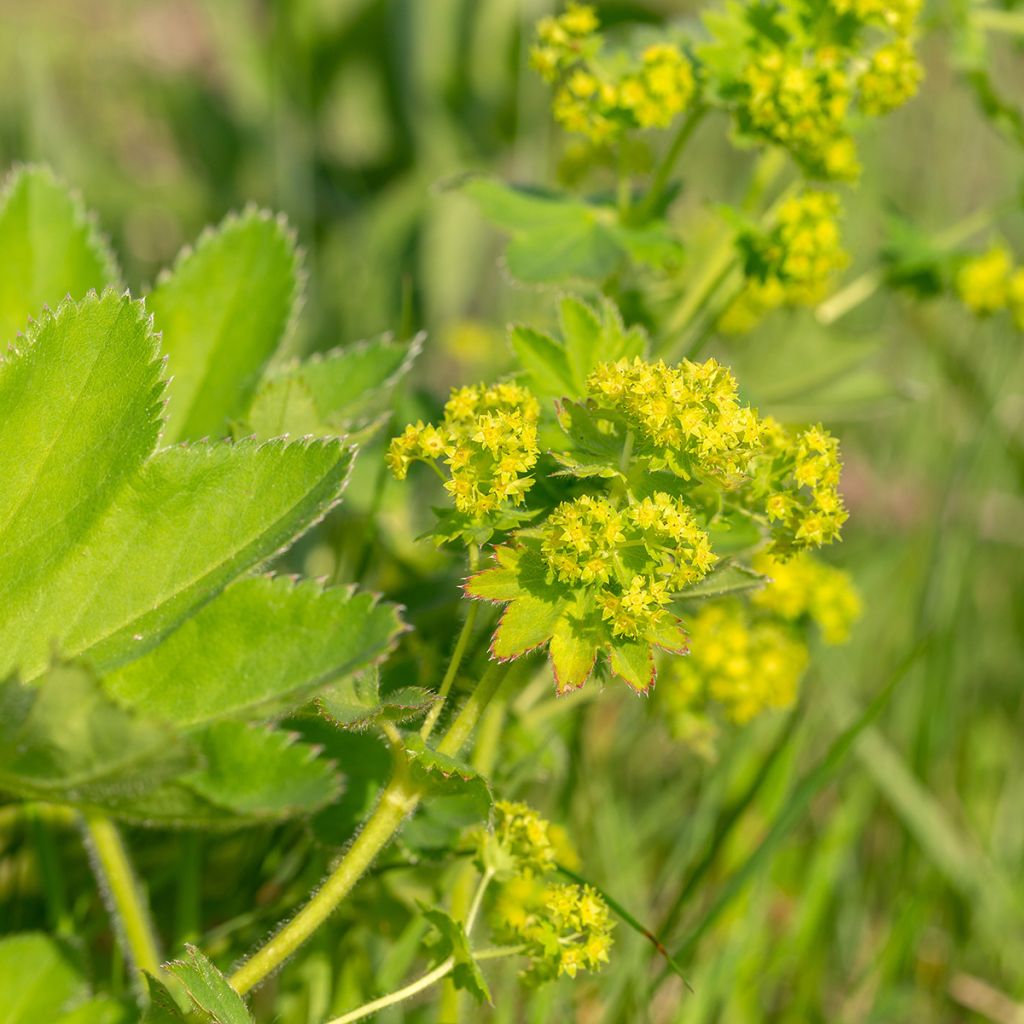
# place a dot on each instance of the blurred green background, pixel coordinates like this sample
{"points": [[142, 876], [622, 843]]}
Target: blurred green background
{"points": [[889, 885]]}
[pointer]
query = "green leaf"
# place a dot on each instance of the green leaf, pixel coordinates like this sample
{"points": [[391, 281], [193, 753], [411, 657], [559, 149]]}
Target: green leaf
{"points": [[80, 413], [224, 309], [51, 248], [670, 636], [451, 941], [545, 361], [38, 979], [573, 653], [192, 520], [527, 623], [442, 775], [209, 989], [62, 739], [633, 662], [333, 393], [252, 775], [261, 773], [558, 238], [581, 331], [355, 702], [162, 1008], [264, 646]]}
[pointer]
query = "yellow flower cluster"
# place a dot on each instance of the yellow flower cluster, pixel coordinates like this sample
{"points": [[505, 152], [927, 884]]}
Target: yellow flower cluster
{"points": [[989, 283], [487, 439], [804, 587], [690, 411], [890, 79], [896, 15], [805, 505], [801, 102], [793, 263], [745, 665], [521, 840], [567, 928], [636, 557], [601, 101]]}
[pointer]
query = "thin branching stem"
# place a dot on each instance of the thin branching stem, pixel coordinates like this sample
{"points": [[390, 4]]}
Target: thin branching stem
{"points": [[124, 895]]}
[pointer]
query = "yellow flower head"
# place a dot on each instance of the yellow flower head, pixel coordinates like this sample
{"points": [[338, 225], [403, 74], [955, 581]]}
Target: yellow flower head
{"points": [[890, 79], [804, 587], [487, 439], [983, 282]]}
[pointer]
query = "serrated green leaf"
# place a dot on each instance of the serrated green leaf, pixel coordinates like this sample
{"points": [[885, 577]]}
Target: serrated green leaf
{"points": [[441, 775], [79, 413], [62, 739], [192, 519], [588, 250], [252, 775], [38, 979], [558, 238], [633, 662], [50, 247], [451, 941], [527, 623], [224, 309], [581, 333], [545, 360], [355, 702], [573, 653], [669, 635], [261, 773], [332, 393], [263, 646], [209, 989]]}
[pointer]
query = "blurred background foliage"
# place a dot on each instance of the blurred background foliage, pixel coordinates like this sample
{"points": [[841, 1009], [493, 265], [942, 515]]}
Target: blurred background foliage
{"points": [[887, 882]]}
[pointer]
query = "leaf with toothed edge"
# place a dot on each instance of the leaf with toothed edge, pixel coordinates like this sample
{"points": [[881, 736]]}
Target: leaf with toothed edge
{"points": [[192, 520], [209, 989], [670, 636], [224, 309], [573, 653], [526, 623], [355, 702], [442, 775], [51, 248], [634, 662], [569, 621], [252, 775], [560, 367], [63, 739], [337, 392], [262, 647]]}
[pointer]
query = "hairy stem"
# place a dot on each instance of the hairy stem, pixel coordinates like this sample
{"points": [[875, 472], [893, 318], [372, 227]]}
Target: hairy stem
{"points": [[397, 802], [441, 971], [123, 894]]}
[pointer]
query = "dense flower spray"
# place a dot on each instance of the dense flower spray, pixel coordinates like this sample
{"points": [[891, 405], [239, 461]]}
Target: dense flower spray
{"points": [[655, 462]]}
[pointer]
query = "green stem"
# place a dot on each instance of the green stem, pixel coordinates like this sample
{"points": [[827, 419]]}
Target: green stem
{"points": [[124, 895], [457, 655], [397, 802], [663, 172], [432, 977], [57, 912]]}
